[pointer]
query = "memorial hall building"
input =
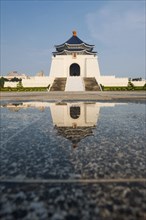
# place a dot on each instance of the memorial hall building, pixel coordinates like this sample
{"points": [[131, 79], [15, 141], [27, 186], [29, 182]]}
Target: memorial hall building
{"points": [[74, 67]]}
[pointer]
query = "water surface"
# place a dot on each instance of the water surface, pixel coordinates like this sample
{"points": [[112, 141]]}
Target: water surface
{"points": [[72, 140]]}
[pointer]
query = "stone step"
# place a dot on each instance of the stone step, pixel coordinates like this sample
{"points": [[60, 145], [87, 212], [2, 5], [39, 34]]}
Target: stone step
{"points": [[59, 84], [91, 84]]}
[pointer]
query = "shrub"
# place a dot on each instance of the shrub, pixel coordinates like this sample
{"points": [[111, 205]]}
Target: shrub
{"points": [[144, 87], [130, 86], [124, 88]]}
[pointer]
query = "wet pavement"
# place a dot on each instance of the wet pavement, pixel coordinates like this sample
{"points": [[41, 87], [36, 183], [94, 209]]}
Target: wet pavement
{"points": [[72, 160], [115, 96]]}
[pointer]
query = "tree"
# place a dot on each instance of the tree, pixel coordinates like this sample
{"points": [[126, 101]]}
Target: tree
{"points": [[2, 82], [144, 87], [130, 86], [19, 85], [15, 79]]}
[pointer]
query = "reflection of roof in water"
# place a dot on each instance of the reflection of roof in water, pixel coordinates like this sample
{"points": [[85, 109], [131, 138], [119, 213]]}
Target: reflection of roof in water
{"points": [[75, 135]]}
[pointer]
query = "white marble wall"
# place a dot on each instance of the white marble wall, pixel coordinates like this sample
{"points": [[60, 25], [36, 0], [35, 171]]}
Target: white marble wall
{"points": [[89, 114], [73, 83], [32, 82], [60, 66], [112, 81]]}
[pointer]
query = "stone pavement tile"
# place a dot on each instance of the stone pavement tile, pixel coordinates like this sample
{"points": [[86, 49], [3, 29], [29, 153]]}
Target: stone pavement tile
{"points": [[117, 201]]}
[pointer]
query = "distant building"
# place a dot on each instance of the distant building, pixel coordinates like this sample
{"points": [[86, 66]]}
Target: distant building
{"points": [[13, 74], [41, 74]]}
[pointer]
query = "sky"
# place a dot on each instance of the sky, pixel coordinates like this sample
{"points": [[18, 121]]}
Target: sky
{"points": [[30, 29]]}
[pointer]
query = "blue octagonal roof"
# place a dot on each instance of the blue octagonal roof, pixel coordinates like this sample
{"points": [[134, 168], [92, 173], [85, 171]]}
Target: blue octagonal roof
{"points": [[74, 40]]}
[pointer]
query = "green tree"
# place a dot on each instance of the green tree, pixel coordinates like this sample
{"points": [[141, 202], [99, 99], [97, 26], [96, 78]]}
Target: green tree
{"points": [[2, 82], [130, 86], [19, 85], [15, 79], [144, 87]]}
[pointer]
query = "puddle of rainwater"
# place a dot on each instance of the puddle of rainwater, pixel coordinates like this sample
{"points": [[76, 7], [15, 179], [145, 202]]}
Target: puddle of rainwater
{"points": [[72, 140]]}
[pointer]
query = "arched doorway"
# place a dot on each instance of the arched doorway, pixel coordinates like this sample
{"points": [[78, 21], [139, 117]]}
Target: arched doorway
{"points": [[74, 69], [75, 112]]}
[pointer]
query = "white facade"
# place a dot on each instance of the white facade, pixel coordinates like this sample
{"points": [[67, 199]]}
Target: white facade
{"points": [[60, 66], [61, 114], [89, 67], [88, 64]]}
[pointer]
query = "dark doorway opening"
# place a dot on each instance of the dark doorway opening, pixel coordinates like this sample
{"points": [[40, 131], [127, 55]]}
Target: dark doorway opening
{"points": [[74, 69], [75, 112]]}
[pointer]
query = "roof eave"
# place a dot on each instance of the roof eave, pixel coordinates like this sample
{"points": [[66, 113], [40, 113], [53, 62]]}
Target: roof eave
{"points": [[67, 51], [58, 46]]}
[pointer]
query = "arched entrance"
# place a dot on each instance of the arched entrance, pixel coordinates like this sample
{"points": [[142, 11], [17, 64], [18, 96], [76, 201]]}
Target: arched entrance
{"points": [[74, 69], [75, 112]]}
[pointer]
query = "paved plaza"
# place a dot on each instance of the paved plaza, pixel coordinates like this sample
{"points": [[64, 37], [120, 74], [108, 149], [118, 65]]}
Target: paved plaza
{"points": [[94, 170], [53, 96]]}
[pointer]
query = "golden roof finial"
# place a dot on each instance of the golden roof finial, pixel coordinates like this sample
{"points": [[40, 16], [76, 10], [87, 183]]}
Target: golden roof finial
{"points": [[74, 33]]}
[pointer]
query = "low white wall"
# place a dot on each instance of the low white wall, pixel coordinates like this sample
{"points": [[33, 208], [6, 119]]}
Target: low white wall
{"points": [[36, 82], [10, 84], [112, 81], [139, 83], [73, 83], [32, 82]]}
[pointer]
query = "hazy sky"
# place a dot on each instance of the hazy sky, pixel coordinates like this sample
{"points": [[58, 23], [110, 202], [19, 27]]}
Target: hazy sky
{"points": [[30, 29]]}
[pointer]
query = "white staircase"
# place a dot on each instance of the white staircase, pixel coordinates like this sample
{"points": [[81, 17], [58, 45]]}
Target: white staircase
{"points": [[74, 83]]}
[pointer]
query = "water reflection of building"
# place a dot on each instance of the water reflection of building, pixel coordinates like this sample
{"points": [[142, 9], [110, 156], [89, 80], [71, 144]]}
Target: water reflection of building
{"points": [[73, 121], [15, 107]]}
